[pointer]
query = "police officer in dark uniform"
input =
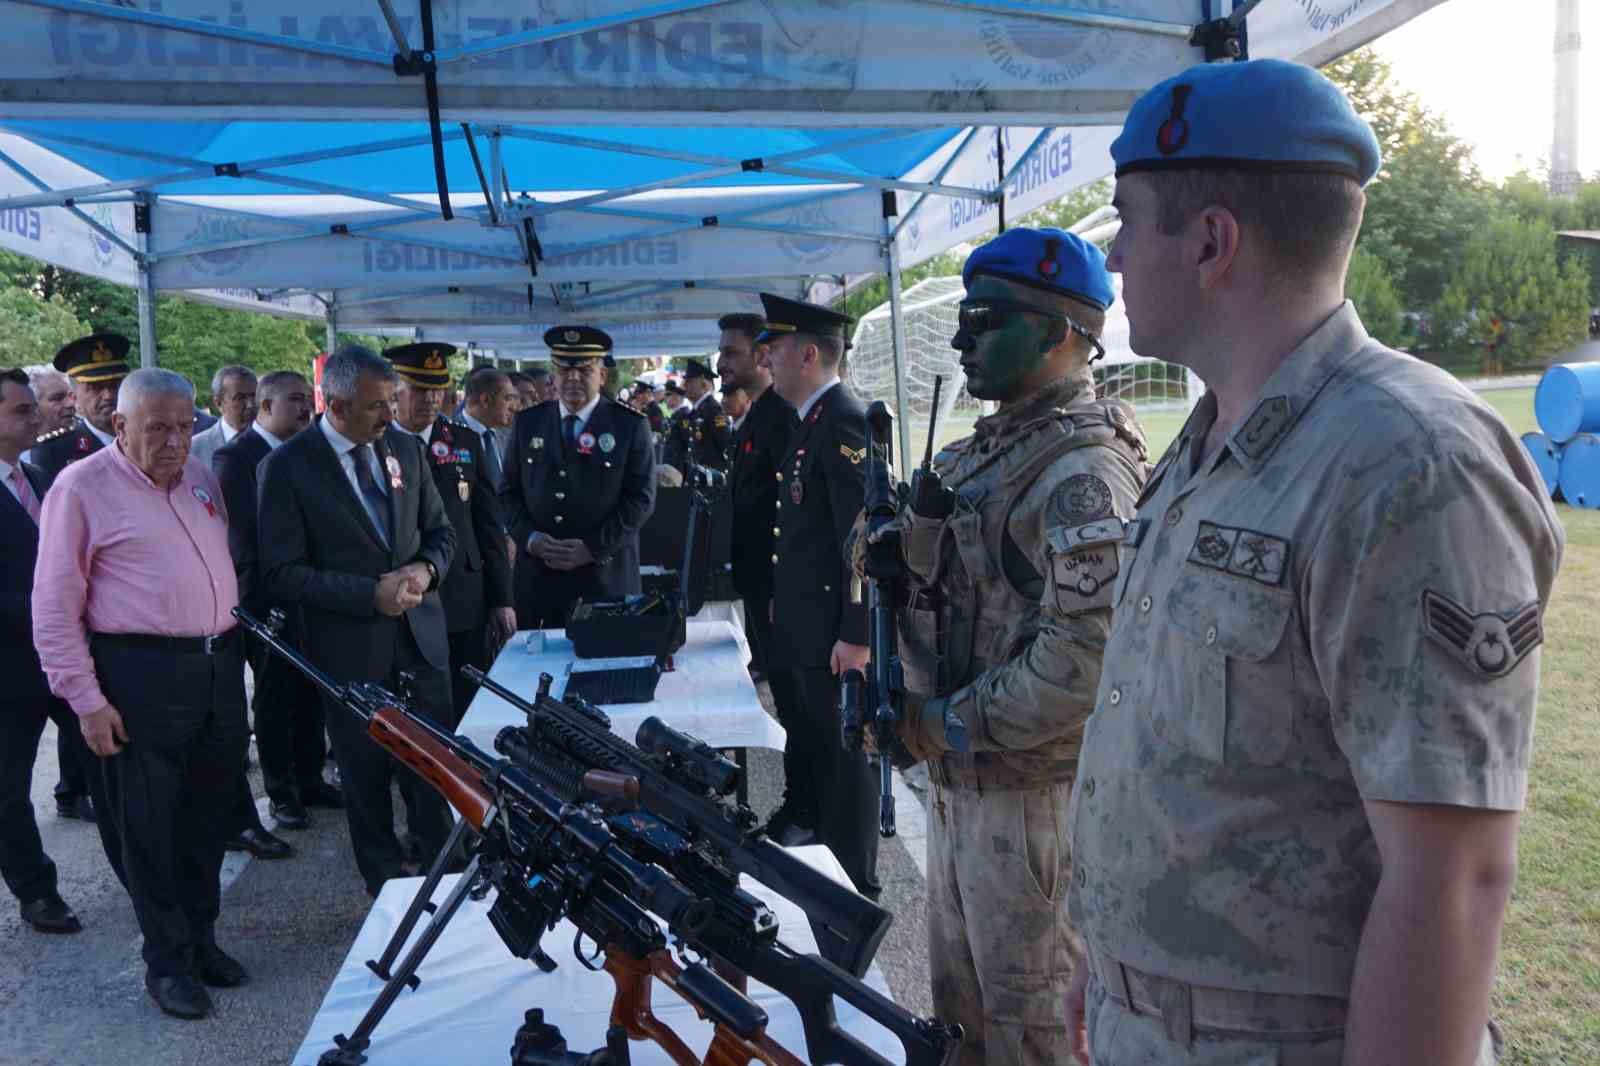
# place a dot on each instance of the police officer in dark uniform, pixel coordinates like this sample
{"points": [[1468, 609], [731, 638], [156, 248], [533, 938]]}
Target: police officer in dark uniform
{"points": [[755, 449], [95, 365], [580, 483], [704, 429], [818, 633], [476, 590], [676, 425]]}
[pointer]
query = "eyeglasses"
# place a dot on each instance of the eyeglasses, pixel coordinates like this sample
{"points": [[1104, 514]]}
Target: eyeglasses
{"points": [[977, 317]]}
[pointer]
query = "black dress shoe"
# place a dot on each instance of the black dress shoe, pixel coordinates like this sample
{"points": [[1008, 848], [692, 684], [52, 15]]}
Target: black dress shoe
{"points": [[180, 996], [80, 808], [289, 814], [217, 968], [261, 844], [791, 828], [322, 794], [51, 915]]}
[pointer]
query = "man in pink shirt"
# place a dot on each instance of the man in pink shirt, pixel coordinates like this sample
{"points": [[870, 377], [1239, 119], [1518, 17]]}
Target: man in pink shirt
{"points": [[132, 612]]}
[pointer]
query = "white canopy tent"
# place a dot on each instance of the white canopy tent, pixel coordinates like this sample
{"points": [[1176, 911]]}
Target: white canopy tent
{"points": [[319, 151]]}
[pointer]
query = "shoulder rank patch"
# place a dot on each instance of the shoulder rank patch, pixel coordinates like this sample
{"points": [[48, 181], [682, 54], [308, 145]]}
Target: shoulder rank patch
{"points": [[1079, 499], [1244, 552], [1491, 643], [1083, 564], [855, 455]]}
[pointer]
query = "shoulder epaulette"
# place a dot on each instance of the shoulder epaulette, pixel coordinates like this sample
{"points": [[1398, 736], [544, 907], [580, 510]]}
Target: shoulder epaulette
{"points": [[54, 433]]}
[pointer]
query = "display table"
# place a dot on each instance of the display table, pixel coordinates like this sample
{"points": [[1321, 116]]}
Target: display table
{"points": [[707, 694], [474, 992]]}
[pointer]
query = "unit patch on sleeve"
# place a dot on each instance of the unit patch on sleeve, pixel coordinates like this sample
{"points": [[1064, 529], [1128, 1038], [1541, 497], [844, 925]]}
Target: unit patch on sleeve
{"points": [[1083, 564]]}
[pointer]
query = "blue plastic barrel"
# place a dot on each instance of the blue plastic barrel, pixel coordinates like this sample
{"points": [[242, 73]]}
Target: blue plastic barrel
{"points": [[1567, 401], [1547, 457], [1580, 470]]}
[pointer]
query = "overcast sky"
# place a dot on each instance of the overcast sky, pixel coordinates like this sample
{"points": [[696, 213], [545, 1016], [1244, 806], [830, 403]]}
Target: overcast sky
{"points": [[1488, 66]]}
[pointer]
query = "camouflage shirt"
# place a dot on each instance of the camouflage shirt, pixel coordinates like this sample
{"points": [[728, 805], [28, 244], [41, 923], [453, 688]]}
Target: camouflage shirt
{"points": [[1342, 603]]}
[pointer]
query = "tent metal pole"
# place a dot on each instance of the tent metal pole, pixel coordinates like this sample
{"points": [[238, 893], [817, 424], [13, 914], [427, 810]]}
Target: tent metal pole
{"points": [[897, 330], [105, 231], [1027, 154], [331, 334], [916, 205], [143, 214], [1000, 173]]}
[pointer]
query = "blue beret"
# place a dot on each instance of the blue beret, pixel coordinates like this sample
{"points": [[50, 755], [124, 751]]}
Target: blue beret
{"points": [[1049, 259], [1265, 114]]}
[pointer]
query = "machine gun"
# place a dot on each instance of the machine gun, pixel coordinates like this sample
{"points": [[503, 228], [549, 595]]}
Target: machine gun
{"points": [[547, 858], [684, 823]]}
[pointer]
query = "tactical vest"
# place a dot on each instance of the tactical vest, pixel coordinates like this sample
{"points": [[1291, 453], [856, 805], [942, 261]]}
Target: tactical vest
{"points": [[990, 591]]}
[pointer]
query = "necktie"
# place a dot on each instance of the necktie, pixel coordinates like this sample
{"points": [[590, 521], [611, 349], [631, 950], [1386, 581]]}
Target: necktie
{"points": [[377, 503], [25, 496], [569, 432], [491, 457]]}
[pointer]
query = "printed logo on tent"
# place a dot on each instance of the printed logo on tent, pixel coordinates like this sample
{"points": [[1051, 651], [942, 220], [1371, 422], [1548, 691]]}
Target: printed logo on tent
{"points": [[1057, 53], [104, 251], [217, 229], [805, 247]]}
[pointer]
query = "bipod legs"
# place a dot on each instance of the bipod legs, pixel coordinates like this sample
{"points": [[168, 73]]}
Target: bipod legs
{"points": [[422, 901]]}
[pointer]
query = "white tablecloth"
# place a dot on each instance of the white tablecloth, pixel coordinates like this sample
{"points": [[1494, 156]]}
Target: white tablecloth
{"points": [[474, 993], [707, 694]]}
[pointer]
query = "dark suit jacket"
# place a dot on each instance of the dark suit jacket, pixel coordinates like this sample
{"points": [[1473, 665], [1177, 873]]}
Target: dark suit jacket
{"points": [[824, 481], [759, 444], [480, 573], [319, 549], [55, 452], [19, 663], [602, 497], [235, 465]]}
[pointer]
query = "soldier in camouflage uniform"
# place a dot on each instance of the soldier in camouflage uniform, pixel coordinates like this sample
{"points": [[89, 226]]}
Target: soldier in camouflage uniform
{"points": [[1294, 825], [1008, 612]]}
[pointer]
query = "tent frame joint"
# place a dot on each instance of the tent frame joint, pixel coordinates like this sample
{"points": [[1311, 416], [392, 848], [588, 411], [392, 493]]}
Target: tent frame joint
{"points": [[1221, 38]]}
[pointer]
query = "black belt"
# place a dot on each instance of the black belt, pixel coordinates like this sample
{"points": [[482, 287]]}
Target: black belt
{"points": [[211, 645]]}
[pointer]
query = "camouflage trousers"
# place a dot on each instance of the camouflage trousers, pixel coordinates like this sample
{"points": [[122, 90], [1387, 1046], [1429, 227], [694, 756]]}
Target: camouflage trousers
{"points": [[1122, 1037], [1000, 948]]}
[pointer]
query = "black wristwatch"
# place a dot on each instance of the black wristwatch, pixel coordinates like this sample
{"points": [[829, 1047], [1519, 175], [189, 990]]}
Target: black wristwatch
{"points": [[433, 575]]}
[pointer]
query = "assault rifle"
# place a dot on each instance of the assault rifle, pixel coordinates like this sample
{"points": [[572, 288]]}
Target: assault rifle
{"points": [[683, 824], [547, 858]]}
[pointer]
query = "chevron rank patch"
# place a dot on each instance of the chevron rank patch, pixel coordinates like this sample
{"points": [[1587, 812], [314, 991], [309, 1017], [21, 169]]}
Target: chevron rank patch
{"points": [[1490, 643]]}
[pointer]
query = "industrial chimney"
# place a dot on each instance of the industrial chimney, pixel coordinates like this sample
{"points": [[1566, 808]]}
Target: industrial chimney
{"points": [[1564, 175]]}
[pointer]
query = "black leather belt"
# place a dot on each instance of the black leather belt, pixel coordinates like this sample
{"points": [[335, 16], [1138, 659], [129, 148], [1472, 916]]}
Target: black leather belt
{"points": [[211, 645]]}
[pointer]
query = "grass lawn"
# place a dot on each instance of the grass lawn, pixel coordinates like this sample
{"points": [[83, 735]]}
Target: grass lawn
{"points": [[1547, 995]]}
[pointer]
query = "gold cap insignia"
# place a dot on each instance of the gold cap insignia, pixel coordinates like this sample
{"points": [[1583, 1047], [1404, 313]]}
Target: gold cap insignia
{"points": [[100, 353], [434, 362], [572, 336]]}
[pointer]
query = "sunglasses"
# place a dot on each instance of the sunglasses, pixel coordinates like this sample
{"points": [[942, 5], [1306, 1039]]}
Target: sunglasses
{"points": [[977, 317]]}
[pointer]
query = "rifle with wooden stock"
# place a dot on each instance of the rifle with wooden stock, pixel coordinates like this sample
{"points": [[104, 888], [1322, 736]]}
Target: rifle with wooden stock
{"points": [[563, 837], [685, 823]]}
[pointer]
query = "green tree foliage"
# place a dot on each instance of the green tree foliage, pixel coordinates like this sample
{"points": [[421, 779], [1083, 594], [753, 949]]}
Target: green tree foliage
{"points": [[1428, 199], [32, 329], [1526, 195], [1512, 299], [1370, 286]]}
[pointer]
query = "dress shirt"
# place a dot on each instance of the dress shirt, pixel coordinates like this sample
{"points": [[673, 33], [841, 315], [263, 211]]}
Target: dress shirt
{"points": [[483, 430], [735, 423], [272, 442], [228, 432], [342, 447], [583, 415], [5, 478], [811, 401], [426, 435], [700, 403], [120, 554], [108, 439]]}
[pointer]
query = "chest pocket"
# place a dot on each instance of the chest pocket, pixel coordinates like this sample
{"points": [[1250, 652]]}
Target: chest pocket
{"points": [[1230, 697]]}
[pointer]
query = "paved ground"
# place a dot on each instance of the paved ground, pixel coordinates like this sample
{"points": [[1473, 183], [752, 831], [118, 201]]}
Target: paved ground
{"points": [[80, 1001]]}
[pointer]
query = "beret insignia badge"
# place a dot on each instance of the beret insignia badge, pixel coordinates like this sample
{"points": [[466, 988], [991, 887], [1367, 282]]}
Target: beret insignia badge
{"points": [[1174, 133]]}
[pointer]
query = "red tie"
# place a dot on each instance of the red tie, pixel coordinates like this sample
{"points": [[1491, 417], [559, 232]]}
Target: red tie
{"points": [[25, 496]]}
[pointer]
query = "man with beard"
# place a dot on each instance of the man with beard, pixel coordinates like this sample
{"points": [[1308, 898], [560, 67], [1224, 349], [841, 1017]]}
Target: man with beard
{"points": [[476, 591], [288, 710], [758, 444], [1007, 608]]}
